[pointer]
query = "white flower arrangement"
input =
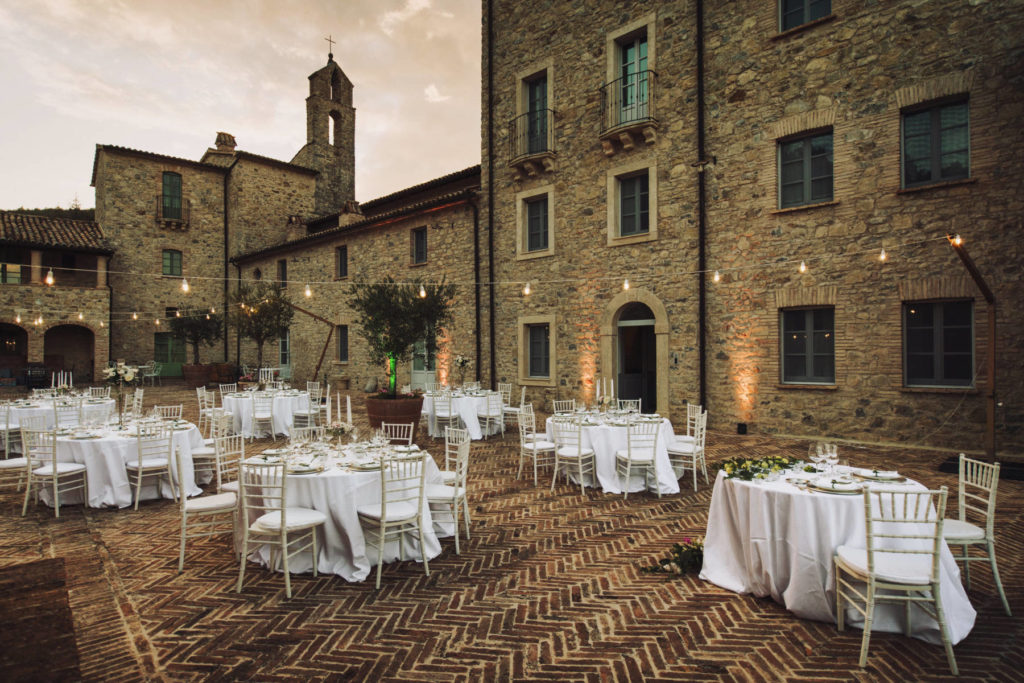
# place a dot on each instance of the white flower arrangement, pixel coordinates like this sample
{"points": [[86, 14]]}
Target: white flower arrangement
{"points": [[121, 374], [337, 429], [461, 361]]}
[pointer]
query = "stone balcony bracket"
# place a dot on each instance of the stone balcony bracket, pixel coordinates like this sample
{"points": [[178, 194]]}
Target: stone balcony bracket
{"points": [[533, 165], [629, 137]]}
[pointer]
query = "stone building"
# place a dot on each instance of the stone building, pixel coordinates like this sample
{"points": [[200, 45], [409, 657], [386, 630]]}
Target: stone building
{"points": [[775, 181], [54, 287]]}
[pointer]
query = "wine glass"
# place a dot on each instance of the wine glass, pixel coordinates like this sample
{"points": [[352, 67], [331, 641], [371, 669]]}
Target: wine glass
{"points": [[814, 454], [831, 455]]}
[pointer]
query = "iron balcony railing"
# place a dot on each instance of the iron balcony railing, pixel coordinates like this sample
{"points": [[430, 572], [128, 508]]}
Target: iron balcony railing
{"points": [[531, 133], [628, 100], [170, 211]]}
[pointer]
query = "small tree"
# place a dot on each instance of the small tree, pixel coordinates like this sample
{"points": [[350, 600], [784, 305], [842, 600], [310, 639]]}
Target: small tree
{"points": [[393, 317], [261, 312], [198, 328]]}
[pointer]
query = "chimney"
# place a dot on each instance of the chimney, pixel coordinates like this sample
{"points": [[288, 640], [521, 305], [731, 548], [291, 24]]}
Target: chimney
{"points": [[350, 213], [225, 142], [296, 229]]}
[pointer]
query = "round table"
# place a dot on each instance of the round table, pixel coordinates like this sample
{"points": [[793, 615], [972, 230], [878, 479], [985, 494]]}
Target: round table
{"points": [[772, 538], [285, 405], [466, 407]]}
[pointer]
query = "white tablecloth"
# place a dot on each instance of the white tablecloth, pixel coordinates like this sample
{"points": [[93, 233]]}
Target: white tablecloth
{"points": [[105, 458], [606, 439], [341, 542], [772, 538], [285, 405], [93, 411], [466, 407]]}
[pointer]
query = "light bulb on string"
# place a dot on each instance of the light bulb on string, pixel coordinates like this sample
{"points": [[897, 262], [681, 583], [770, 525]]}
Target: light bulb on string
{"points": [[957, 240], [882, 255], [102, 324], [213, 309], [803, 267], [80, 316], [157, 322], [423, 292], [177, 314], [717, 277], [625, 284], [17, 318], [207, 316], [526, 289], [49, 277], [309, 292], [135, 315], [184, 285]]}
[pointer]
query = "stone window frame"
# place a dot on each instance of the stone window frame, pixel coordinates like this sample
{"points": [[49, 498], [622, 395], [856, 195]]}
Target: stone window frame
{"points": [[282, 273], [413, 233], [933, 107], [284, 348], [613, 40], [941, 383], [805, 380], [805, 136], [522, 223], [803, 296], [807, 21], [795, 126], [523, 323], [522, 93], [164, 263], [614, 175], [164, 196], [340, 259]]}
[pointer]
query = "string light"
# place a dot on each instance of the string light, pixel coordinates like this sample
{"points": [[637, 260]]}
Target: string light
{"points": [[423, 292], [882, 255], [803, 267], [625, 284], [184, 285], [80, 316], [157, 321], [49, 277], [526, 289], [309, 292], [212, 309], [177, 314], [135, 316], [207, 316], [17, 318], [102, 324], [957, 240], [717, 277]]}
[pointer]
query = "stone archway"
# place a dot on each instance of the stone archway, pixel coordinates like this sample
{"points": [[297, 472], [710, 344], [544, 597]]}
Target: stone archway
{"points": [[13, 352], [70, 347], [609, 339]]}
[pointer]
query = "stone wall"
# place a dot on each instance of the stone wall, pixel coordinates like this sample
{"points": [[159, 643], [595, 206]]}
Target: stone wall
{"points": [[127, 186], [261, 197], [852, 73], [374, 252]]}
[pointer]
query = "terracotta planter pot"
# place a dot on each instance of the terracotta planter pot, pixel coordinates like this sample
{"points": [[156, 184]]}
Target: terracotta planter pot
{"points": [[196, 375], [400, 410], [222, 373]]}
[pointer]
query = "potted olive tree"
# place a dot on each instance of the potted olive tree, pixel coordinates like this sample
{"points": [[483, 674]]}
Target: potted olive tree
{"points": [[261, 312], [197, 328], [393, 317]]}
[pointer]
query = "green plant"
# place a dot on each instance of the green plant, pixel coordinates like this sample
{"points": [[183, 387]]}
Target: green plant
{"points": [[394, 316], [197, 328], [261, 312], [756, 468], [684, 558]]}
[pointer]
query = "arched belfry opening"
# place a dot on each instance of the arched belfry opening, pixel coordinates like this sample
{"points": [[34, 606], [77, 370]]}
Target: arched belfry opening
{"points": [[336, 88]]}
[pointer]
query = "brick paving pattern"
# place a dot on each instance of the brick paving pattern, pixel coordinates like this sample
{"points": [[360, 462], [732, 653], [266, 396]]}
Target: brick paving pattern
{"points": [[548, 588]]}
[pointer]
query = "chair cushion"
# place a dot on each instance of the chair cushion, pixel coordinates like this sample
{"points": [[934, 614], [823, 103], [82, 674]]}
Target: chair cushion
{"points": [[147, 463], [641, 455], [685, 438], [208, 442], [571, 452], [539, 446], [230, 486], [297, 518], [396, 511], [913, 570], [262, 416], [955, 529], [203, 452], [541, 436], [682, 447], [12, 463], [448, 477], [62, 468], [440, 492], [219, 501]]}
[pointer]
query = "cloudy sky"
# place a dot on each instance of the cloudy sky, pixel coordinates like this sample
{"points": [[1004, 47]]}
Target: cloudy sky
{"points": [[166, 76]]}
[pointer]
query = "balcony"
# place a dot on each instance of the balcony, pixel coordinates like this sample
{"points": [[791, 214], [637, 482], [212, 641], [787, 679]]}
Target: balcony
{"points": [[627, 112], [172, 216], [531, 143]]}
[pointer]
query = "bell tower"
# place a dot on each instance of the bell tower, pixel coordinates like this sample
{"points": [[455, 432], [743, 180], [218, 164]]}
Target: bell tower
{"points": [[330, 137]]}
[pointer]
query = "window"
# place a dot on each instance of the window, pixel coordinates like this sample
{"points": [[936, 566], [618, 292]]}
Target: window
{"points": [[10, 273], [341, 262], [805, 170], [808, 346], [172, 262], [938, 343], [537, 114], [632, 87], [171, 312], [936, 145], [795, 13], [171, 200], [539, 353], [537, 224], [633, 205], [284, 348], [282, 272], [167, 349], [257, 274], [419, 245], [342, 331]]}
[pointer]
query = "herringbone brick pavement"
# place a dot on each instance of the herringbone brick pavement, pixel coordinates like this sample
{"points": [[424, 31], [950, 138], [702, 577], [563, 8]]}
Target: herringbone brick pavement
{"points": [[548, 588]]}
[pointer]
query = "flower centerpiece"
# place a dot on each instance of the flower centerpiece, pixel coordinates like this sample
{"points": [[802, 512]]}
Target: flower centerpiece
{"points": [[684, 558], [461, 363], [120, 375], [748, 469], [339, 429]]}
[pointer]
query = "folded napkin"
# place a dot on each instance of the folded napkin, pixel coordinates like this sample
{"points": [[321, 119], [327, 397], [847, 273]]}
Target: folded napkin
{"points": [[879, 474], [837, 484]]}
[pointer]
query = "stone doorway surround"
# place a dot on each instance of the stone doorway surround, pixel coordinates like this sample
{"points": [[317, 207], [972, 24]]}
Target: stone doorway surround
{"points": [[609, 335]]}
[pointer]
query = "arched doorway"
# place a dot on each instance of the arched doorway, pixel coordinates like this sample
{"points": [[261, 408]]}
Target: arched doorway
{"points": [[634, 348], [70, 347], [13, 352], [637, 361]]}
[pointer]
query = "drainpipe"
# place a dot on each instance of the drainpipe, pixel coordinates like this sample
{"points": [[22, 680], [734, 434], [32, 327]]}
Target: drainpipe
{"points": [[490, 184], [476, 284], [702, 214], [238, 337], [227, 265]]}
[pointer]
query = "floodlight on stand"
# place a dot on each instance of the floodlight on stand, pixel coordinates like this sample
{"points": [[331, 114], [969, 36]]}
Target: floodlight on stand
{"points": [[49, 277], [184, 285]]}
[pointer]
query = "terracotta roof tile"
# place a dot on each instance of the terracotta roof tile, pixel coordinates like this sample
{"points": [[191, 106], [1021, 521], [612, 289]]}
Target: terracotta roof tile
{"points": [[42, 231]]}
